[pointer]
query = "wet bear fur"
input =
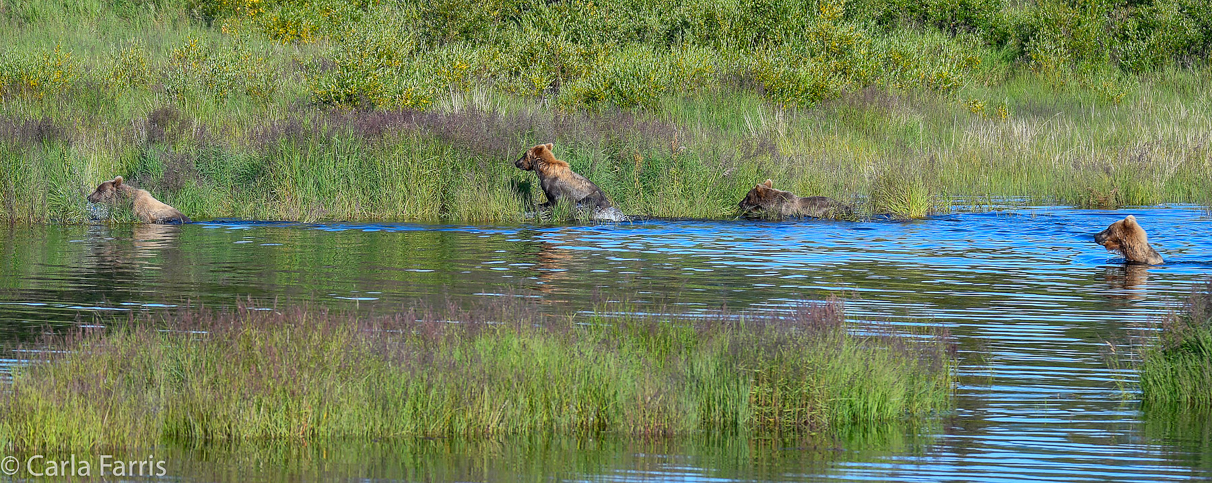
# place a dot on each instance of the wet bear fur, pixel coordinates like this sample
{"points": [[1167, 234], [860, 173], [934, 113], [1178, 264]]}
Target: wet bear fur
{"points": [[1129, 239], [763, 201], [559, 182], [146, 207]]}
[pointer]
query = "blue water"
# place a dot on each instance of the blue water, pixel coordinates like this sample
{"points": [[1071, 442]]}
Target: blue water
{"points": [[1037, 309]]}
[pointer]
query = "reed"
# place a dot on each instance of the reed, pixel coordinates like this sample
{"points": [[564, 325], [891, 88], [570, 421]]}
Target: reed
{"points": [[414, 110], [304, 373], [1176, 367]]}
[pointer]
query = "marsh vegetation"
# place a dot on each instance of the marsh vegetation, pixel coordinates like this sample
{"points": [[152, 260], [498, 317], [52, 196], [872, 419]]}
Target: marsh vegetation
{"points": [[1176, 363], [413, 110], [306, 373]]}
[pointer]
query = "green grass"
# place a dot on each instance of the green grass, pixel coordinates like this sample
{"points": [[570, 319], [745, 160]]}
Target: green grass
{"points": [[414, 110], [307, 374], [1176, 367]]}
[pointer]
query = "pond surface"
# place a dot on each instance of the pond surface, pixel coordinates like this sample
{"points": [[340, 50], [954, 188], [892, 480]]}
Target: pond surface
{"points": [[1031, 300]]}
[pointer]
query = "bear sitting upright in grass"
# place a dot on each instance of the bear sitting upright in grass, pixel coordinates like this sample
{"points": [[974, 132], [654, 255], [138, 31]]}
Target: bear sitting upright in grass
{"points": [[560, 183], [763, 201], [146, 207], [1129, 239]]}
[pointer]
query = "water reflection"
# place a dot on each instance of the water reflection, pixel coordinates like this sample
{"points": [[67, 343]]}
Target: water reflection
{"points": [[1127, 281], [786, 457], [150, 247], [1181, 427], [552, 264], [1031, 300]]}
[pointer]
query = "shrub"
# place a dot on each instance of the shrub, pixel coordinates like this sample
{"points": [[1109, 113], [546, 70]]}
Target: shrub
{"points": [[286, 21], [199, 67], [638, 77], [36, 75], [371, 65], [951, 16], [131, 66], [1153, 35]]}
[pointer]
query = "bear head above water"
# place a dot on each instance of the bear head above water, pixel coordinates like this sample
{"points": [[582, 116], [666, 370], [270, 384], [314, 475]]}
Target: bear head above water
{"points": [[1129, 239]]}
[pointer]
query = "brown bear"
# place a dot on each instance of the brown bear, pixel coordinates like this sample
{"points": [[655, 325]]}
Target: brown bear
{"points": [[765, 201], [559, 182], [1129, 239], [146, 207]]}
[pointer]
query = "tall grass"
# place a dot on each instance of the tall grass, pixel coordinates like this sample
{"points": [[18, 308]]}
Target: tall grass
{"points": [[1176, 368], [410, 110], [305, 373]]}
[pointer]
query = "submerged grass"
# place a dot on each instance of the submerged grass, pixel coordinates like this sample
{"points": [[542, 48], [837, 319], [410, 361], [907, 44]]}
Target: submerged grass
{"points": [[306, 373], [1176, 367]]}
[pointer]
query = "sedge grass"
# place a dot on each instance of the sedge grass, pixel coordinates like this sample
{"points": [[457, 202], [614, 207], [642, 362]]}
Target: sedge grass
{"points": [[368, 110], [304, 373], [434, 166], [1176, 367]]}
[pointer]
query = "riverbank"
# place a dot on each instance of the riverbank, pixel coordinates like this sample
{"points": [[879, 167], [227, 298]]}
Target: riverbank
{"points": [[301, 373], [350, 111]]}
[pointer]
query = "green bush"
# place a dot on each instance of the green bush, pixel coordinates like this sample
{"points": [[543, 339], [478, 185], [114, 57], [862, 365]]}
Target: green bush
{"points": [[951, 16], [631, 53], [130, 66], [449, 21], [36, 75], [285, 20], [532, 61], [1153, 36], [372, 66], [200, 67], [638, 77], [929, 60], [827, 57]]}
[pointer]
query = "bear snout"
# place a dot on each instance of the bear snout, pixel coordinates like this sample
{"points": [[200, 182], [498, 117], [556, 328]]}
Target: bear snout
{"points": [[1108, 239]]}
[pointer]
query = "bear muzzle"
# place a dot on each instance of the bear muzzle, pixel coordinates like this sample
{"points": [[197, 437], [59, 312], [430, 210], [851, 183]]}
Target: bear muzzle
{"points": [[1107, 239]]}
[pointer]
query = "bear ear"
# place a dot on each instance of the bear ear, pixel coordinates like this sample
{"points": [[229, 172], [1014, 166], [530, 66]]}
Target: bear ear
{"points": [[117, 181], [1130, 220], [769, 183], [550, 147]]}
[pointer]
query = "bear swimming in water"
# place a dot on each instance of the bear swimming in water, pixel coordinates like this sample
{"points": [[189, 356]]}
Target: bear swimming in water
{"points": [[146, 207], [1129, 239], [763, 201]]}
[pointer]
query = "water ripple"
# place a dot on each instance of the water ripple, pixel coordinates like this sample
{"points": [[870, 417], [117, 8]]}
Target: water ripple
{"points": [[1031, 300]]}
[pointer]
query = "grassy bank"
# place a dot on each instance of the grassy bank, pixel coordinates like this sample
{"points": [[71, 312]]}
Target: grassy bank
{"points": [[415, 110], [299, 373], [1176, 368]]}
